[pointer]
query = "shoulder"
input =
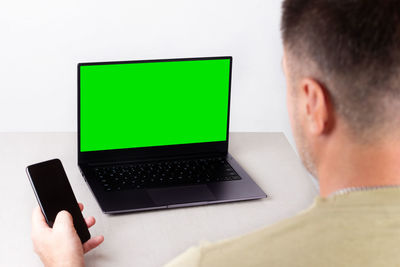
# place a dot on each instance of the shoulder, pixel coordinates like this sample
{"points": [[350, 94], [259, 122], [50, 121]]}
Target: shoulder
{"points": [[329, 233], [254, 249]]}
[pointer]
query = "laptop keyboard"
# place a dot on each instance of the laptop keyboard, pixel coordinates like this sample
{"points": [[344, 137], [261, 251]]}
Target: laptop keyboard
{"points": [[165, 173]]}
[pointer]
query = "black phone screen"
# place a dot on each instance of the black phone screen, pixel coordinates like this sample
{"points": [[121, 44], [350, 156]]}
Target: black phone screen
{"points": [[54, 194]]}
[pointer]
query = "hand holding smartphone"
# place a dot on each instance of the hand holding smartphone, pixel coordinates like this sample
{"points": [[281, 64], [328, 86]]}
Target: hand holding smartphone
{"points": [[54, 194]]}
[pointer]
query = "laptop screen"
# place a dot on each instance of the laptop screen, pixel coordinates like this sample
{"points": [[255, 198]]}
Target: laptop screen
{"points": [[153, 103]]}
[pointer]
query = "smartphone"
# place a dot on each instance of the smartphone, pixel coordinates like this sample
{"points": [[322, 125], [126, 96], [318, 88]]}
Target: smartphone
{"points": [[54, 194]]}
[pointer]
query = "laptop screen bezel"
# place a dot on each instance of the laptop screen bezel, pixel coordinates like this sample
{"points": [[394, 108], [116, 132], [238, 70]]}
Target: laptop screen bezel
{"points": [[154, 152]]}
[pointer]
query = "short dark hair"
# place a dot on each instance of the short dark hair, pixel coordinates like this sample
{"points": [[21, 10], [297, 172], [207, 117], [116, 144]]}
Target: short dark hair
{"points": [[355, 47]]}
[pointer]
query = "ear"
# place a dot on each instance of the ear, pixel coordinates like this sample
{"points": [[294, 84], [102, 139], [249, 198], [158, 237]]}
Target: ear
{"points": [[315, 105]]}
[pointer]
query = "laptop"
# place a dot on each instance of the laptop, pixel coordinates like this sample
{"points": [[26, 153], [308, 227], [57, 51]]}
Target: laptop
{"points": [[153, 134]]}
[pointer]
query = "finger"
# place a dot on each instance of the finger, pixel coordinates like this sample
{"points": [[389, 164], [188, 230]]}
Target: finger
{"points": [[81, 206], [92, 243], [90, 221], [38, 220], [63, 219]]}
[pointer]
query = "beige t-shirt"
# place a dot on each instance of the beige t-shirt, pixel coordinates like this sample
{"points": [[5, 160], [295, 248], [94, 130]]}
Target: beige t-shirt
{"points": [[361, 228]]}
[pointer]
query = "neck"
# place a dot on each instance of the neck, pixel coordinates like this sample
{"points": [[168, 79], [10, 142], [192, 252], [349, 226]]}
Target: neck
{"points": [[348, 164]]}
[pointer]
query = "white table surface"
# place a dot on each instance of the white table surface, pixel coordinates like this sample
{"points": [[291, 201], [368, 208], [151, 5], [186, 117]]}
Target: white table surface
{"points": [[155, 237]]}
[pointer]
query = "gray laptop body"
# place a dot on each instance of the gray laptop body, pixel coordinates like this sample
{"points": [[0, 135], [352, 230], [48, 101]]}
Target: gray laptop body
{"points": [[126, 168]]}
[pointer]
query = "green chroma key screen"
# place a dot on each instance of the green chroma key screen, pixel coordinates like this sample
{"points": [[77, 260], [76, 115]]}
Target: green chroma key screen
{"points": [[154, 103]]}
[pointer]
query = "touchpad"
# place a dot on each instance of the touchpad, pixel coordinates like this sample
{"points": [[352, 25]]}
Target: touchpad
{"points": [[181, 194]]}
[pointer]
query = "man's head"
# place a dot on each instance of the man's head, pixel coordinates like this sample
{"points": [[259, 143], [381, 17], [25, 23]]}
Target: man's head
{"points": [[342, 62]]}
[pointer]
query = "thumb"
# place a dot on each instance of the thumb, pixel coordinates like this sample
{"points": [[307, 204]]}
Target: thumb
{"points": [[63, 219]]}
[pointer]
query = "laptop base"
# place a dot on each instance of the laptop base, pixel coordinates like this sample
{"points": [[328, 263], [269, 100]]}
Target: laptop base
{"points": [[175, 196]]}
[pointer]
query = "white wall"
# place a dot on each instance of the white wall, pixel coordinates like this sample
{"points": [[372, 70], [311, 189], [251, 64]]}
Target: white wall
{"points": [[43, 40]]}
